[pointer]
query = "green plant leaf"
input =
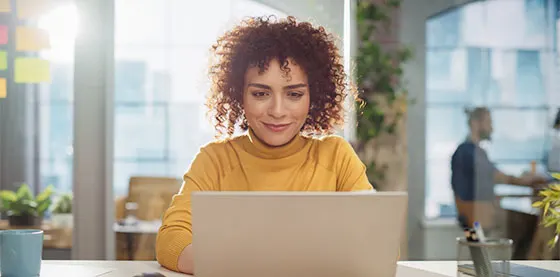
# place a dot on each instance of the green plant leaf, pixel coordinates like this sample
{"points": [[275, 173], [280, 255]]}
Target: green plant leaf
{"points": [[537, 204], [24, 192], [45, 194], [555, 187], [43, 206], [556, 175], [7, 198], [546, 207], [8, 195], [63, 205], [553, 241]]}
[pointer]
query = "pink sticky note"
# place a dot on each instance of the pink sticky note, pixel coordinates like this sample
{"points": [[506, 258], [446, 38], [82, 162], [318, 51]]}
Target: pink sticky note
{"points": [[3, 34]]}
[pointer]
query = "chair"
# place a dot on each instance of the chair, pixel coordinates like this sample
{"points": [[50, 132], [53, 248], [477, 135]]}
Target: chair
{"points": [[152, 195]]}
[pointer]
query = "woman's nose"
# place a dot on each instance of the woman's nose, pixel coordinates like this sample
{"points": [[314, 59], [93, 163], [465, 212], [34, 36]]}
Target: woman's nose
{"points": [[276, 108]]}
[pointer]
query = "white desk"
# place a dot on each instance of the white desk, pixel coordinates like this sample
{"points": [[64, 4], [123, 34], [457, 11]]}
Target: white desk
{"points": [[130, 268]]}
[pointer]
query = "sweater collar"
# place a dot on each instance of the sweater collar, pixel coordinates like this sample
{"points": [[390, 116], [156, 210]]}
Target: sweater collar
{"points": [[254, 146]]}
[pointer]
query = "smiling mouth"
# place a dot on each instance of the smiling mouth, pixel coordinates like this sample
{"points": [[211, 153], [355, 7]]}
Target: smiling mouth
{"points": [[276, 127]]}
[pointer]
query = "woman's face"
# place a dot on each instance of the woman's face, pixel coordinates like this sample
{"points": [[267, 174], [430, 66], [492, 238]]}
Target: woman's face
{"points": [[276, 105]]}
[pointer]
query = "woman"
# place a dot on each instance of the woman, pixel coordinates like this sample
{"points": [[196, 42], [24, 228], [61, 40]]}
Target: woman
{"points": [[283, 82]]}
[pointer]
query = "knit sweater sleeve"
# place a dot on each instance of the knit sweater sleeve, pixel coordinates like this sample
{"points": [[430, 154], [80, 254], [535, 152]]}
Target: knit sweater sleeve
{"points": [[176, 231]]}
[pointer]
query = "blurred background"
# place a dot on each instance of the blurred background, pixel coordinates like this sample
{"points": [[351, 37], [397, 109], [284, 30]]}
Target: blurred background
{"points": [[122, 114]]}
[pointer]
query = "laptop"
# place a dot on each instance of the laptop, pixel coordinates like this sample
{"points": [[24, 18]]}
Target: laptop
{"points": [[296, 234]]}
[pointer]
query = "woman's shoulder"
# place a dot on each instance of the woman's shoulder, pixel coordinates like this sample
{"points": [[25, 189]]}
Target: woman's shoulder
{"points": [[331, 148], [331, 142], [222, 145]]}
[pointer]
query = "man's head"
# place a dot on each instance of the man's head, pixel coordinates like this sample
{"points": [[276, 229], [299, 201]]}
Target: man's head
{"points": [[480, 123]]}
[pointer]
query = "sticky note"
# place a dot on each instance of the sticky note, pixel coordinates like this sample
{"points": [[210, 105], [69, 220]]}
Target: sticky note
{"points": [[31, 39], [3, 88], [3, 60], [31, 70], [3, 34], [31, 9], [5, 6]]}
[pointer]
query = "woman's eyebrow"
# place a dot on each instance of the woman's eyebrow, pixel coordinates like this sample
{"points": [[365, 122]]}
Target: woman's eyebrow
{"points": [[296, 86], [263, 86]]}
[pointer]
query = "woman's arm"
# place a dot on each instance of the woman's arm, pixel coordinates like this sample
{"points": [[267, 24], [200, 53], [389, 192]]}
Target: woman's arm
{"points": [[175, 234], [174, 238]]}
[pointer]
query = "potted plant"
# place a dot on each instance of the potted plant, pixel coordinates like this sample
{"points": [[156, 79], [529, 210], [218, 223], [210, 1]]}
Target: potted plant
{"points": [[62, 211], [22, 208], [550, 205]]}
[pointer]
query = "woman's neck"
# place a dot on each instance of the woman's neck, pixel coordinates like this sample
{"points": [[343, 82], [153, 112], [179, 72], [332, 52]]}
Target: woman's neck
{"points": [[259, 148]]}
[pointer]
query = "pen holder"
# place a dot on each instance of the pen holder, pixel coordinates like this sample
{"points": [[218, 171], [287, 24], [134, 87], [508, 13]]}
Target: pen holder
{"points": [[490, 258]]}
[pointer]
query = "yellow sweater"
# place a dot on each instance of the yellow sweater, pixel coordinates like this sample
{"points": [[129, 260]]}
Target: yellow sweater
{"points": [[245, 164]]}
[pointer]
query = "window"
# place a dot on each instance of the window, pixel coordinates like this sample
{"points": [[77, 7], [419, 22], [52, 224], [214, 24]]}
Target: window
{"points": [[56, 98], [498, 54], [161, 54]]}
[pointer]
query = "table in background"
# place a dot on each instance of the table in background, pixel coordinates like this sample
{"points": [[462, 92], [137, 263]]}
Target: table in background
{"points": [[131, 268], [140, 228], [54, 237]]}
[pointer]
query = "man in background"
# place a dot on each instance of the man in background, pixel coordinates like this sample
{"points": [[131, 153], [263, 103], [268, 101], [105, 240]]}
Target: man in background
{"points": [[473, 176]]}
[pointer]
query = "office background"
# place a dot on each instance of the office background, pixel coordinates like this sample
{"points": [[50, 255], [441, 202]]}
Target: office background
{"points": [[127, 93]]}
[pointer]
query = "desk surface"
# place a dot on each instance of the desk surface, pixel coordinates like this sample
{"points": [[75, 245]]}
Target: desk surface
{"points": [[130, 268]]}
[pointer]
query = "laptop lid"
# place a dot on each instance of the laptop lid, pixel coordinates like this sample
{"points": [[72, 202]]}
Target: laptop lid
{"points": [[239, 234]]}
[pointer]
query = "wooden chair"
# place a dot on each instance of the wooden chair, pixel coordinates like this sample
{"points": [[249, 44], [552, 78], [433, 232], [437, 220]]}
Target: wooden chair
{"points": [[152, 195]]}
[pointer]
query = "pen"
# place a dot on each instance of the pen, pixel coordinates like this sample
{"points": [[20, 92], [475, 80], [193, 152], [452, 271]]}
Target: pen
{"points": [[479, 232]]}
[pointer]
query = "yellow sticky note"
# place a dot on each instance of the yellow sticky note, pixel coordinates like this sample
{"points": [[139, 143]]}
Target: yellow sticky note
{"points": [[3, 88], [3, 60], [31, 70], [31, 39], [31, 9], [5, 6]]}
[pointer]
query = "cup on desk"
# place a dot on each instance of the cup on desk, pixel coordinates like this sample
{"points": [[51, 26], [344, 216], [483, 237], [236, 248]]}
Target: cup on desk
{"points": [[21, 253]]}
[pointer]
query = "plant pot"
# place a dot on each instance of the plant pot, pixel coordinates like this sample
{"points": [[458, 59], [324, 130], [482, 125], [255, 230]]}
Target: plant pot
{"points": [[62, 220], [25, 220]]}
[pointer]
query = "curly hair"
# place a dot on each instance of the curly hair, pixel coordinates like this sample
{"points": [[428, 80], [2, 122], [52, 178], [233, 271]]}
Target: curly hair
{"points": [[257, 41]]}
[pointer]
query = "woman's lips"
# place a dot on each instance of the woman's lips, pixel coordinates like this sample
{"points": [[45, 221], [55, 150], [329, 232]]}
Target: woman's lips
{"points": [[276, 127]]}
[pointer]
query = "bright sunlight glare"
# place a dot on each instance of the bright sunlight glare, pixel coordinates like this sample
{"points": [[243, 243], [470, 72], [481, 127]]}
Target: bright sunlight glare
{"points": [[62, 25]]}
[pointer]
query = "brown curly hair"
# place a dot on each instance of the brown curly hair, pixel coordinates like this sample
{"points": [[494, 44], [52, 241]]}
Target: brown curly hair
{"points": [[257, 41]]}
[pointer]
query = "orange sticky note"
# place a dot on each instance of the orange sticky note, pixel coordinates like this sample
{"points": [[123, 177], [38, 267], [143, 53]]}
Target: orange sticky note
{"points": [[3, 88], [5, 6], [31, 9], [31, 70], [31, 39]]}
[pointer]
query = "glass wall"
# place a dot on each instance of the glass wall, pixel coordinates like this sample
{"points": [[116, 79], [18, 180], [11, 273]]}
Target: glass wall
{"points": [[500, 54]]}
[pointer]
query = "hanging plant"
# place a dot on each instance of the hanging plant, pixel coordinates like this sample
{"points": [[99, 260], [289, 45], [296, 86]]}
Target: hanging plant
{"points": [[379, 73]]}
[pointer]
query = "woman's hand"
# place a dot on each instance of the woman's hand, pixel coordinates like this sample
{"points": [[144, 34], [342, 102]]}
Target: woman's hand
{"points": [[185, 263]]}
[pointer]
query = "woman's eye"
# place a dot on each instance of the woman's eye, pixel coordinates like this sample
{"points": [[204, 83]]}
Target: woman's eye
{"points": [[259, 93], [295, 94]]}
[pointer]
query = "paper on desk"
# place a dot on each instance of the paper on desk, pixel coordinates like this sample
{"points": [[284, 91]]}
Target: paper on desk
{"points": [[56, 270]]}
